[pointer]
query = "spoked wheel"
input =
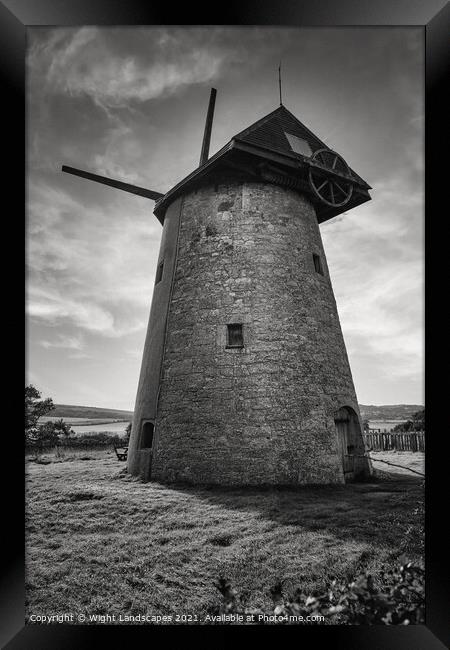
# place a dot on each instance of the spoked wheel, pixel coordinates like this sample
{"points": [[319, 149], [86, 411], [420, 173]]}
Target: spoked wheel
{"points": [[332, 190]]}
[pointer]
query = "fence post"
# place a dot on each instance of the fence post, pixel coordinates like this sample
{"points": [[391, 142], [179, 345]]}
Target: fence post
{"points": [[399, 441]]}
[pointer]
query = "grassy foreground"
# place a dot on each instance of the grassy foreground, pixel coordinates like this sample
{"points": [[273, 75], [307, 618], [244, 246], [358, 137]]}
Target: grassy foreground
{"points": [[99, 542]]}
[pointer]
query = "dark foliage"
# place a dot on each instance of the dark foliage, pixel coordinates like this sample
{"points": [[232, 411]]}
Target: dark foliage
{"points": [[45, 435], [48, 434], [417, 423], [35, 408], [87, 441], [392, 597], [62, 428]]}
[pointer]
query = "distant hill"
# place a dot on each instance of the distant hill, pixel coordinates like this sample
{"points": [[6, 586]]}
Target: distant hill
{"points": [[370, 412], [89, 412], [389, 411]]}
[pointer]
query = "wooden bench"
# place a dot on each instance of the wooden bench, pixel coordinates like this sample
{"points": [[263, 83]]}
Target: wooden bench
{"points": [[121, 452]]}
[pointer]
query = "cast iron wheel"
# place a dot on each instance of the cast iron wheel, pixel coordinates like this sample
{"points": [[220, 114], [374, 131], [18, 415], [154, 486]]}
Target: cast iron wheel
{"points": [[332, 190]]}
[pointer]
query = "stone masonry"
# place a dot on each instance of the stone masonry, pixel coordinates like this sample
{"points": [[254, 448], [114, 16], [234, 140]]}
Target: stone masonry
{"points": [[264, 413]]}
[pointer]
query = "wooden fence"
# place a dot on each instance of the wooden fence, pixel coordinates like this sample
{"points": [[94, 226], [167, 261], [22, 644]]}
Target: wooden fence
{"points": [[394, 441]]}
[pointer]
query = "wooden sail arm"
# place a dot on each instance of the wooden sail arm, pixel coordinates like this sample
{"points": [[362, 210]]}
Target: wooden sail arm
{"points": [[119, 185], [208, 127]]}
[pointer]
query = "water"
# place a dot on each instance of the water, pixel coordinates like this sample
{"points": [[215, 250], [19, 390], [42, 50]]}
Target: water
{"points": [[387, 425], [113, 427]]}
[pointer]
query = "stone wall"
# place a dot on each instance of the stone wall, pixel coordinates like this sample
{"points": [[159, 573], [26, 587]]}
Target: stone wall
{"points": [[147, 393], [263, 413]]}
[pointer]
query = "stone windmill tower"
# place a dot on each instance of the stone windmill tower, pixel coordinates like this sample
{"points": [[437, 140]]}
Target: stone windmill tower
{"points": [[245, 377]]}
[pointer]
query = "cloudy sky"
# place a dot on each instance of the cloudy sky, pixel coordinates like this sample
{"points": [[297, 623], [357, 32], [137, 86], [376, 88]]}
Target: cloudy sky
{"points": [[130, 103]]}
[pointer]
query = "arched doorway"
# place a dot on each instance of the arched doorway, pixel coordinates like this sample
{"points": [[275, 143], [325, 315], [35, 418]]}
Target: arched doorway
{"points": [[146, 448], [148, 429], [350, 441]]}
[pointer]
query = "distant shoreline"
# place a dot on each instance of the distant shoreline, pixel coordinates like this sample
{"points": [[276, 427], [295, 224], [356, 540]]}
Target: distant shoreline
{"points": [[81, 426], [78, 422], [81, 418]]}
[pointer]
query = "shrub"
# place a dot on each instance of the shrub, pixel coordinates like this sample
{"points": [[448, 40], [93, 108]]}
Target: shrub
{"points": [[85, 441], [103, 438], [417, 423], [62, 428], [399, 600], [42, 436], [35, 408]]}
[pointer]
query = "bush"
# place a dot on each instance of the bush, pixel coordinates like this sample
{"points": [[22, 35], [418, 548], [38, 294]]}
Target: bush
{"points": [[62, 428], [85, 441], [35, 407], [103, 438], [398, 600], [417, 423], [42, 436], [47, 435]]}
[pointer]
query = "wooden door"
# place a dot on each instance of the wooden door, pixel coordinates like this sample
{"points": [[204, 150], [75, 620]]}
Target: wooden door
{"points": [[342, 423]]}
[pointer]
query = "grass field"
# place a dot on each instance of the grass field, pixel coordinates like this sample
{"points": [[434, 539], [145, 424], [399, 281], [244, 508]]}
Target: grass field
{"points": [[99, 542]]}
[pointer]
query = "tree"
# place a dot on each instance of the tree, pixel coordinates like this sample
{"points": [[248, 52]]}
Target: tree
{"points": [[417, 423], [35, 408], [62, 428], [45, 435], [419, 420]]}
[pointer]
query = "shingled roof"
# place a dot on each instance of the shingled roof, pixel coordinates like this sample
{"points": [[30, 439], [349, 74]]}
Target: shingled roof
{"points": [[270, 132], [268, 139]]}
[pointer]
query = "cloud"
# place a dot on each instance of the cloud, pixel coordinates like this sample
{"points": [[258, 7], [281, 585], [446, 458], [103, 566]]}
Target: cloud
{"points": [[83, 62], [79, 355], [66, 342], [89, 266], [375, 256], [73, 344], [134, 353], [56, 309], [53, 308]]}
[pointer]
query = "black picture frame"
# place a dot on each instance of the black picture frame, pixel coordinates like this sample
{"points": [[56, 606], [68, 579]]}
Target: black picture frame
{"points": [[434, 17]]}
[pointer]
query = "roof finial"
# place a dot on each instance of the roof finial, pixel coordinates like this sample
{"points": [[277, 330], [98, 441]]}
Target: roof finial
{"points": [[279, 82]]}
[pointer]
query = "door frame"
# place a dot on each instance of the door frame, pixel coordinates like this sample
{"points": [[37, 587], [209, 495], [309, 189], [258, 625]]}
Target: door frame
{"points": [[347, 426]]}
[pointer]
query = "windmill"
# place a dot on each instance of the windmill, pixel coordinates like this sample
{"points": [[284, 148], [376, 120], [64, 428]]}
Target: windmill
{"points": [[245, 377]]}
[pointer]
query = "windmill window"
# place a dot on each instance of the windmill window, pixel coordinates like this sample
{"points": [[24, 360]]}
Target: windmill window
{"points": [[235, 337], [299, 145], [318, 263], [159, 272], [147, 435]]}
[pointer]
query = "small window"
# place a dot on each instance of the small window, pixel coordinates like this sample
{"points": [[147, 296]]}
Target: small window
{"points": [[235, 338], [159, 272], [298, 145], [147, 435], [318, 263]]}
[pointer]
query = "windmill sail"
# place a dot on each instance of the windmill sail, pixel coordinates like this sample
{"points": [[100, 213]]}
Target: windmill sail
{"points": [[119, 185], [208, 127]]}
